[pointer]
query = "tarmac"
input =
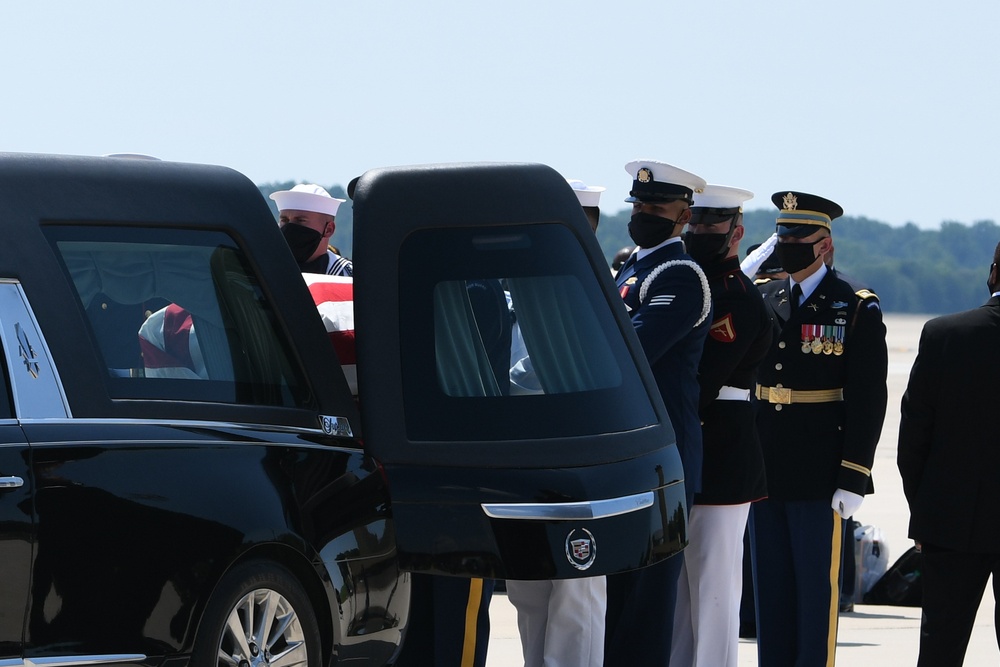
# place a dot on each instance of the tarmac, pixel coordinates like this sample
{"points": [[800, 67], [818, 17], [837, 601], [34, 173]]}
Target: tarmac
{"points": [[875, 635]]}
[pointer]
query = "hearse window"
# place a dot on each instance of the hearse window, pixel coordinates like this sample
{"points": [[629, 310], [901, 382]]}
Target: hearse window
{"points": [[513, 327], [179, 314]]}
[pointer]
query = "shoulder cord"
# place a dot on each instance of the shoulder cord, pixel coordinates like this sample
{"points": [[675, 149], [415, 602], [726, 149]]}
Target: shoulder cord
{"points": [[706, 291]]}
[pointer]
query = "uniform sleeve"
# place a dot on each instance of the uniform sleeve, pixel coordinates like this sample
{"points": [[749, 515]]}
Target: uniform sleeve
{"points": [[865, 396], [917, 416], [737, 328], [673, 305]]}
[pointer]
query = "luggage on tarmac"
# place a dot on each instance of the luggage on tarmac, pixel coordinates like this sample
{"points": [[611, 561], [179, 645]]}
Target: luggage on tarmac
{"points": [[871, 558], [901, 585]]}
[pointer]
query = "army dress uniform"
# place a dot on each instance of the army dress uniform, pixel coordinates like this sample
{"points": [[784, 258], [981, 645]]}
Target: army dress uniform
{"points": [[668, 298], [822, 397]]}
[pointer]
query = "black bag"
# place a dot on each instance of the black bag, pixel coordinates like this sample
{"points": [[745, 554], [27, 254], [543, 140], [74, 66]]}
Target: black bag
{"points": [[901, 585]]}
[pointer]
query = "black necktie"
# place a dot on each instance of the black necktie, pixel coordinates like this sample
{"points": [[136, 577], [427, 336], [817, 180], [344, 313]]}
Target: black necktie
{"points": [[796, 296]]}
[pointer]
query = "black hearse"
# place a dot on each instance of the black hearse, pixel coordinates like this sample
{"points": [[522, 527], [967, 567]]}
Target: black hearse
{"points": [[157, 518]]}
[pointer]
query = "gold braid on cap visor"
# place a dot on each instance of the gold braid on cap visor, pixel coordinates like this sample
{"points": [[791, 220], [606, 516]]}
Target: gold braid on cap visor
{"points": [[804, 218]]}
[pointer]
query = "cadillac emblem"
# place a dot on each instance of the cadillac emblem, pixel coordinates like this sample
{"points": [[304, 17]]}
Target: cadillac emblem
{"points": [[581, 548], [790, 202], [644, 175]]}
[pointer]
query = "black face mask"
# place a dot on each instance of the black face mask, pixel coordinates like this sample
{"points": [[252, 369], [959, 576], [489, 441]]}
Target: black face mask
{"points": [[795, 256], [302, 241], [648, 230], [707, 248]]}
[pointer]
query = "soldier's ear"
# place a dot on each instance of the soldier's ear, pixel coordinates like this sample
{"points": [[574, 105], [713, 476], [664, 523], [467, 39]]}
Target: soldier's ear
{"points": [[737, 235]]}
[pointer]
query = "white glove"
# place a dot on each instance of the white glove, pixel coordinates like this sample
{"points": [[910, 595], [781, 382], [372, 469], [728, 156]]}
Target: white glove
{"points": [[845, 503]]}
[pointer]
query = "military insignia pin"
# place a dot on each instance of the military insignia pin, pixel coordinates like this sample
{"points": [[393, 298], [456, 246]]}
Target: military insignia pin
{"points": [[644, 175], [790, 202]]}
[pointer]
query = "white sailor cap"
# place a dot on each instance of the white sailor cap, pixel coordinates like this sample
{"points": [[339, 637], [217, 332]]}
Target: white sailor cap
{"points": [[589, 195], [721, 197], [654, 181], [307, 197]]}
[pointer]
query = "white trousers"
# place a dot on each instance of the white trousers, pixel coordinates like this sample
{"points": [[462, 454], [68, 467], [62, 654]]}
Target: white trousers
{"points": [[707, 616], [561, 622]]}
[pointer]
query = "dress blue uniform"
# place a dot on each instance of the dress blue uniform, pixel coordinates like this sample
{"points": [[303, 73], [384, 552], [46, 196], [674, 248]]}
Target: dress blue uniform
{"points": [[822, 398], [669, 300], [706, 622], [671, 324]]}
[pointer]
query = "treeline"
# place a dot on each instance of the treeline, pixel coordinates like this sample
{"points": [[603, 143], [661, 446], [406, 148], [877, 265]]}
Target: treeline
{"points": [[912, 270]]}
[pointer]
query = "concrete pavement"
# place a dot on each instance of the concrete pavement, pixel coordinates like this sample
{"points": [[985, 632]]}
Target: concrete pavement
{"points": [[874, 635]]}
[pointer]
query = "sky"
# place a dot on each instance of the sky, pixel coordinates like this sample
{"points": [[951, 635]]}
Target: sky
{"points": [[888, 107]]}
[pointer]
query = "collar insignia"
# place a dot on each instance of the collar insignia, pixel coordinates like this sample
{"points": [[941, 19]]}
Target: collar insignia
{"points": [[814, 306]]}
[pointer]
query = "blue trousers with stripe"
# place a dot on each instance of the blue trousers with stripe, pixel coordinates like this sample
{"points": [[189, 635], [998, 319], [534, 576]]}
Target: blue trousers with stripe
{"points": [[449, 624], [796, 548]]}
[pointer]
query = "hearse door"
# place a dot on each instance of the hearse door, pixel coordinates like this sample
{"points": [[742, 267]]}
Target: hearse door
{"points": [[502, 388]]}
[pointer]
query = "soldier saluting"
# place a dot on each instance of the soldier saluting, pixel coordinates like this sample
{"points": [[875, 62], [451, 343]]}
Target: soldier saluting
{"points": [[822, 397]]}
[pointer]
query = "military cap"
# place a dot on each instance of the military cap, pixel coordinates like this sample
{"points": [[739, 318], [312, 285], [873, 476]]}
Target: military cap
{"points": [[589, 195], [717, 203], [801, 214], [307, 197], [654, 181]]}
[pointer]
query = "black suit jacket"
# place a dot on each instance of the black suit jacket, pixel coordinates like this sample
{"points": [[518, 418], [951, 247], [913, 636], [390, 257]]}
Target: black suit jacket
{"points": [[949, 445]]}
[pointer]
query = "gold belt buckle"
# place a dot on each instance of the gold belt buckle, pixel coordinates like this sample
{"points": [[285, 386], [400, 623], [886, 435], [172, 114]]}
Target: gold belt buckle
{"points": [[781, 395]]}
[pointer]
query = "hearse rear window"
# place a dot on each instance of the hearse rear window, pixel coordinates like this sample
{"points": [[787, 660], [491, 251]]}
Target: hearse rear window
{"points": [[509, 329], [179, 314]]}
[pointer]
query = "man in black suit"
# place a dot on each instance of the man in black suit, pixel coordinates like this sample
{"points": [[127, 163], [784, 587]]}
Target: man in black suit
{"points": [[822, 396], [669, 299], [949, 459]]}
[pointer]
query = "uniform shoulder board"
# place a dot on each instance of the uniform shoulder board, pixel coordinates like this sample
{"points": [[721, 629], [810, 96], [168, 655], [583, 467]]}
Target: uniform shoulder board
{"points": [[865, 294]]}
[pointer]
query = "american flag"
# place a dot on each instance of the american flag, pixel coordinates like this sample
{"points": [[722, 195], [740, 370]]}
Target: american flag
{"points": [[334, 298]]}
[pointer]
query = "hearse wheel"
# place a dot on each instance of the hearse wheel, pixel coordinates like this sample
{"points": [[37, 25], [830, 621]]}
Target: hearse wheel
{"points": [[260, 616]]}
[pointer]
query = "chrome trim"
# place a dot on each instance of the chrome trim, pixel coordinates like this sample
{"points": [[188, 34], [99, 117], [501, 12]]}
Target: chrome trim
{"points": [[590, 509], [183, 423], [36, 387], [12, 482], [73, 661], [337, 426]]}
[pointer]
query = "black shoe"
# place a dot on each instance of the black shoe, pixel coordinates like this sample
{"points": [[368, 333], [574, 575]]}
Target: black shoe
{"points": [[846, 607]]}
